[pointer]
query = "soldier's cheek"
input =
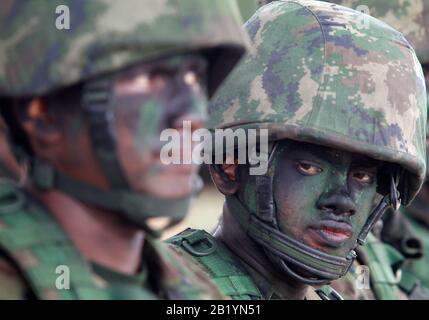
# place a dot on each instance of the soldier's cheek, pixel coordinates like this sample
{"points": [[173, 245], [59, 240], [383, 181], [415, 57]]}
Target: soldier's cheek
{"points": [[296, 202], [364, 204]]}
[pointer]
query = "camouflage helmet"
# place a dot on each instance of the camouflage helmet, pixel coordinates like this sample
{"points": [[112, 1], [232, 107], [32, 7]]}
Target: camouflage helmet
{"points": [[37, 57], [411, 17], [315, 75]]}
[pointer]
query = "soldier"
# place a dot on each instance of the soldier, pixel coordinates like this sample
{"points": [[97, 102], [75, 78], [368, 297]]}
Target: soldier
{"points": [[9, 169], [337, 101], [86, 88], [406, 237]]}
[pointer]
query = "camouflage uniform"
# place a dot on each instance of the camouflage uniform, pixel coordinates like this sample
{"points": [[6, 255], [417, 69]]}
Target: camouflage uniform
{"points": [[36, 59], [314, 75], [408, 237]]}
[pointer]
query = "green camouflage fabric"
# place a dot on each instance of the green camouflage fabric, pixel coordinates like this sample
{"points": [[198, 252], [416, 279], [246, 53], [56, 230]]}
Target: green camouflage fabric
{"points": [[328, 81], [383, 281], [33, 245], [411, 17], [36, 57], [223, 267]]}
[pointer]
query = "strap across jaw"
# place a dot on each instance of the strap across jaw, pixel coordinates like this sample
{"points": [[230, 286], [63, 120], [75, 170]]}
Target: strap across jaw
{"points": [[390, 200], [135, 207], [290, 255], [97, 105]]}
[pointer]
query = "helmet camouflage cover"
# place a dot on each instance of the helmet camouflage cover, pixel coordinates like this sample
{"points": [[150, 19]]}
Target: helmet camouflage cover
{"points": [[106, 35], [411, 17], [314, 74]]}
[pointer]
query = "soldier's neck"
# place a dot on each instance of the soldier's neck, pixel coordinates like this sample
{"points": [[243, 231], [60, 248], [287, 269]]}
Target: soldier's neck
{"points": [[100, 236], [269, 280]]}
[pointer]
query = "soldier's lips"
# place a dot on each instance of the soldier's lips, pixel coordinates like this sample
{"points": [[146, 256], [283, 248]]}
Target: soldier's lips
{"points": [[332, 233]]}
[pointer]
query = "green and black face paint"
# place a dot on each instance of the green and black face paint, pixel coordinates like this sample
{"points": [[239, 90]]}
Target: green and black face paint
{"points": [[294, 213], [146, 113]]}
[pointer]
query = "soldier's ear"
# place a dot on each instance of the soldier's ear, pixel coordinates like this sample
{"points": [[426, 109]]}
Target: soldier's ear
{"points": [[225, 177]]}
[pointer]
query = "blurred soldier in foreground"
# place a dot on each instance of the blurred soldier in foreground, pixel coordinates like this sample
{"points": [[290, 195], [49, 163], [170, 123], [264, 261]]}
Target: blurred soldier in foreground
{"points": [[9, 169], [85, 108], [405, 246], [336, 101]]}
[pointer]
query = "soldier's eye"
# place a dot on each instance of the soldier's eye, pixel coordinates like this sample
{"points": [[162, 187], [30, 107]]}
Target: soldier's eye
{"points": [[308, 169], [363, 177]]}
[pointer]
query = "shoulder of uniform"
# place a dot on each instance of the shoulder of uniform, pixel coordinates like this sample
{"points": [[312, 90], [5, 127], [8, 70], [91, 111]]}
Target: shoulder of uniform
{"points": [[181, 257], [11, 195], [12, 285], [202, 249], [222, 265], [209, 251], [184, 276]]}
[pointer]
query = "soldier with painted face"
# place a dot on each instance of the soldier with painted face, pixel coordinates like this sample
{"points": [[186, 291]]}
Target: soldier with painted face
{"points": [[85, 106], [337, 101], [405, 237]]}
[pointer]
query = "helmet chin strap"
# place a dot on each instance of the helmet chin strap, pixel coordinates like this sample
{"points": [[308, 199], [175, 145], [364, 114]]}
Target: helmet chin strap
{"points": [[390, 200], [135, 207], [288, 254]]}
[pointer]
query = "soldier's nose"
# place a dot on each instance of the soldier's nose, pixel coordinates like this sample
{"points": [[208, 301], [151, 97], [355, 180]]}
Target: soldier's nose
{"points": [[339, 203]]}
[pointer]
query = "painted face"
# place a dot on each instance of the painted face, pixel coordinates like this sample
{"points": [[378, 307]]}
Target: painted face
{"points": [[148, 99], [323, 196]]}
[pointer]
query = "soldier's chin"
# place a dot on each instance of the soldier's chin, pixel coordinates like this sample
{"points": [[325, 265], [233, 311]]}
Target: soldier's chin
{"points": [[168, 186]]}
